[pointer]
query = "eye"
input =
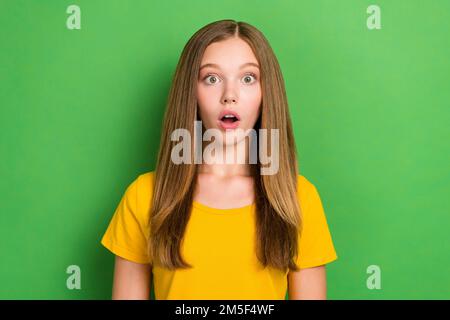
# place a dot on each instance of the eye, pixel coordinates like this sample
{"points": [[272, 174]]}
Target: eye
{"points": [[248, 78], [212, 79]]}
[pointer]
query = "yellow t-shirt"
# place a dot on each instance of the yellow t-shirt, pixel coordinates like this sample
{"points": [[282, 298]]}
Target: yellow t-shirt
{"points": [[219, 244]]}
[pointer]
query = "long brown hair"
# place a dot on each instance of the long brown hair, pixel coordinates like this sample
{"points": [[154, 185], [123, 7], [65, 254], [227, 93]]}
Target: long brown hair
{"points": [[278, 216]]}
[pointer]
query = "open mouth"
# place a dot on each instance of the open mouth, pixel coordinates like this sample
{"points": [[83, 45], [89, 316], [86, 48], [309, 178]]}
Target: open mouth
{"points": [[229, 118]]}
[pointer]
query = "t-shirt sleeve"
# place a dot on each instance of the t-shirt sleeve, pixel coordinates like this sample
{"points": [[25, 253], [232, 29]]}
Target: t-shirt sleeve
{"points": [[315, 242], [127, 235]]}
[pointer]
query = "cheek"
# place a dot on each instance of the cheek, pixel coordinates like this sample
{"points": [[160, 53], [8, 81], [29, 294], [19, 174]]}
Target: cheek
{"points": [[205, 98], [252, 100], [208, 106]]}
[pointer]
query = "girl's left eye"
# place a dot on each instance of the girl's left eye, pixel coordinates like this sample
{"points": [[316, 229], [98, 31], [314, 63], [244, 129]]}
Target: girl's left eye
{"points": [[248, 78]]}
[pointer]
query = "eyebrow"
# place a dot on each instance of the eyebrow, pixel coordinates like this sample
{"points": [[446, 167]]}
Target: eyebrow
{"points": [[213, 65]]}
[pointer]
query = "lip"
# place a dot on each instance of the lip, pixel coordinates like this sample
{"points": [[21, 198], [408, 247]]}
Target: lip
{"points": [[226, 111], [226, 125]]}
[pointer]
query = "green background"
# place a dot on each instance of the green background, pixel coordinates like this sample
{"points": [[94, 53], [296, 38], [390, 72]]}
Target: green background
{"points": [[81, 115]]}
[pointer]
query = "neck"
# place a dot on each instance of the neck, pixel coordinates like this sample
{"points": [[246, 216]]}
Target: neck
{"points": [[230, 160]]}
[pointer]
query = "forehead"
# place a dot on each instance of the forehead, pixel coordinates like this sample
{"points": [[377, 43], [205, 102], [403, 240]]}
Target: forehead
{"points": [[229, 53]]}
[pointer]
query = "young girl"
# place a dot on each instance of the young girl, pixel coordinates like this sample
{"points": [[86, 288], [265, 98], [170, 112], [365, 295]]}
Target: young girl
{"points": [[211, 229]]}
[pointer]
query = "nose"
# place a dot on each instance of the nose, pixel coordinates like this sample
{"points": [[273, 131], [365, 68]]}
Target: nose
{"points": [[226, 100], [229, 96]]}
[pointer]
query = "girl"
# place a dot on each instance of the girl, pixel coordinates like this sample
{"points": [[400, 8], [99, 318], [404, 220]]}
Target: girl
{"points": [[211, 229]]}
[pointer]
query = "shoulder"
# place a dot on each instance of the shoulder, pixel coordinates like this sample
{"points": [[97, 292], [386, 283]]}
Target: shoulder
{"points": [[315, 242], [145, 181], [139, 194], [144, 185], [307, 192], [304, 185]]}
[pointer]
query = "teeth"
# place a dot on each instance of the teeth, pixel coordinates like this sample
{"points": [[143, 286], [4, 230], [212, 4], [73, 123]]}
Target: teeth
{"points": [[229, 116]]}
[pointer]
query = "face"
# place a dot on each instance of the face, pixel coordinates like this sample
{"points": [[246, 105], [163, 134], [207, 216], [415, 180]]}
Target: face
{"points": [[228, 88]]}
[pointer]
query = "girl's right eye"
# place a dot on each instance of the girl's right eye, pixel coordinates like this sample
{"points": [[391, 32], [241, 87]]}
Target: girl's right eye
{"points": [[212, 79]]}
